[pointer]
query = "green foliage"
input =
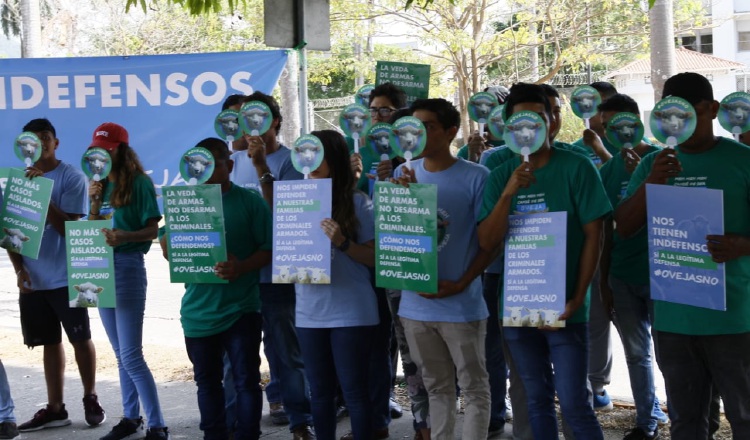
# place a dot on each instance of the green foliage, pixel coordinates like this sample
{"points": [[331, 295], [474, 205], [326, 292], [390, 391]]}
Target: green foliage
{"points": [[196, 7], [172, 29]]}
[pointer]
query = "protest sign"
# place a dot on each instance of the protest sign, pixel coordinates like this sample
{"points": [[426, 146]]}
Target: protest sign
{"points": [[91, 267], [24, 215], [413, 79], [96, 164], [301, 250], [681, 267], [534, 282], [194, 219], [672, 121], [406, 254]]}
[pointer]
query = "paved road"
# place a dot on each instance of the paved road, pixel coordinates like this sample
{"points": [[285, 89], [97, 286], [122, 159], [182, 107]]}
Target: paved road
{"points": [[162, 328]]}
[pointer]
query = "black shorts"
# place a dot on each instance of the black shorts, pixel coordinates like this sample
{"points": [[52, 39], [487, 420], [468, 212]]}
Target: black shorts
{"points": [[43, 311]]}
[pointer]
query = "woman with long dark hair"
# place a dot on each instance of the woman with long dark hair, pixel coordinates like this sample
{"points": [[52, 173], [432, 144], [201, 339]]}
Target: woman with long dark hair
{"points": [[128, 198], [335, 321]]}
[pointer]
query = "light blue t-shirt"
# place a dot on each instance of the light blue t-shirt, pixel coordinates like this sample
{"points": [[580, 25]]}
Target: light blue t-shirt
{"points": [[244, 175], [349, 300], [459, 200], [69, 193], [279, 162]]}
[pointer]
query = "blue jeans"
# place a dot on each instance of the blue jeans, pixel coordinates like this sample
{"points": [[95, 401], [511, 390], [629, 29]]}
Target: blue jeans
{"points": [[381, 375], [288, 383], [535, 353], [633, 312], [600, 343], [341, 353], [692, 365], [6, 402], [493, 344], [124, 327], [241, 343]]}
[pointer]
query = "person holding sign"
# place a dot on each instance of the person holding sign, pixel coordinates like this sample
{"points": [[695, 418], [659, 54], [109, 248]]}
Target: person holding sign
{"points": [[624, 270], [446, 329], [336, 321], [234, 102], [43, 285], [744, 138], [478, 142], [265, 161], [600, 150], [219, 318], [128, 197], [385, 99], [698, 348], [553, 180]]}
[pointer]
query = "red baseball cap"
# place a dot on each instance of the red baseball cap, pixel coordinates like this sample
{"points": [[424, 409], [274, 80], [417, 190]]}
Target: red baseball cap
{"points": [[109, 136]]}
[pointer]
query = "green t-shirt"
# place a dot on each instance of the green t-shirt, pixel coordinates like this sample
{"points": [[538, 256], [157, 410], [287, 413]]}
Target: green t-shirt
{"points": [[570, 183], [726, 167], [463, 152], [208, 309], [590, 153], [501, 156], [629, 261], [134, 216]]}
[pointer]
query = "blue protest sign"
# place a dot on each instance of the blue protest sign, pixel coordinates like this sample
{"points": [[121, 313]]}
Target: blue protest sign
{"points": [[534, 282], [682, 270], [154, 97], [301, 250]]}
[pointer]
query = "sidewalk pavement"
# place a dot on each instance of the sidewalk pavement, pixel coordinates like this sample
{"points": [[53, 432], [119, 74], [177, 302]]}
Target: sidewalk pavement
{"points": [[178, 401]]}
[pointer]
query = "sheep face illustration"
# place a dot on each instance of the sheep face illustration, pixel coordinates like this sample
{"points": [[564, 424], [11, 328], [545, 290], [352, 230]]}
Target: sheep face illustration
{"points": [[197, 165], [13, 239], [88, 295]]}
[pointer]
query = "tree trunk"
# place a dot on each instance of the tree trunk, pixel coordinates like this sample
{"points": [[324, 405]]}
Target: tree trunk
{"points": [[663, 63], [290, 111], [31, 33]]}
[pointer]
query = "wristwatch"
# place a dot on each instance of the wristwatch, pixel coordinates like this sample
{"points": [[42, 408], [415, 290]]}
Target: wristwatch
{"points": [[267, 178], [344, 245]]}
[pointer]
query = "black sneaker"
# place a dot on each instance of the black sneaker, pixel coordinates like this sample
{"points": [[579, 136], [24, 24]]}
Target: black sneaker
{"points": [[94, 412], [45, 418], [8, 430], [640, 434], [127, 429], [157, 434]]}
